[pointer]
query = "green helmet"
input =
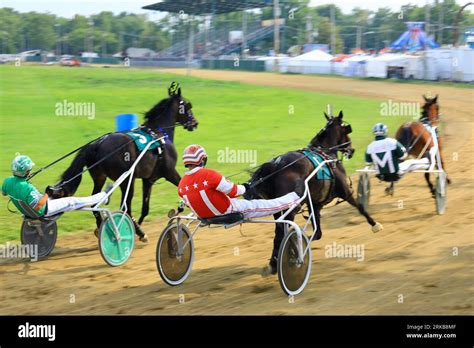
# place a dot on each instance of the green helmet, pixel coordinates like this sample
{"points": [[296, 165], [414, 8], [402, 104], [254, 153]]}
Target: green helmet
{"points": [[380, 130], [21, 165]]}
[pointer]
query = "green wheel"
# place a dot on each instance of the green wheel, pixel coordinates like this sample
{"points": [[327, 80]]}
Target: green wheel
{"points": [[116, 252], [363, 190], [174, 267]]}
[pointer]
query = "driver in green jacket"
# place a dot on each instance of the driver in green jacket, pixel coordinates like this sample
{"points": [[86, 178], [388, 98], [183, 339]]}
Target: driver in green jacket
{"points": [[32, 203]]}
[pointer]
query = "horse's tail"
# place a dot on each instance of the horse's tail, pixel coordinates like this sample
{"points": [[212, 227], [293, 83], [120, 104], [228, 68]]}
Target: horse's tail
{"points": [[259, 186], [71, 178]]}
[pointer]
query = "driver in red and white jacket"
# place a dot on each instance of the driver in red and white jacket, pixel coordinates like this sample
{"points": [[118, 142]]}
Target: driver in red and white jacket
{"points": [[207, 193]]}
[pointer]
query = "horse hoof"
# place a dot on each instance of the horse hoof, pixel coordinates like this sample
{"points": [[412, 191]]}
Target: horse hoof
{"points": [[144, 238], [267, 271], [377, 227], [96, 232], [317, 235]]}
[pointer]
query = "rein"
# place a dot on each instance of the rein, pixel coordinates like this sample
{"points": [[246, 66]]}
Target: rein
{"points": [[63, 157], [93, 165], [266, 177]]}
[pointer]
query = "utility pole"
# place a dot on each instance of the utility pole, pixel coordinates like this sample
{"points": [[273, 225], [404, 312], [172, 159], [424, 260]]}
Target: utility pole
{"points": [[58, 39], [333, 30], [427, 18], [244, 31], [309, 29], [359, 37], [440, 22], [190, 45], [276, 34]]}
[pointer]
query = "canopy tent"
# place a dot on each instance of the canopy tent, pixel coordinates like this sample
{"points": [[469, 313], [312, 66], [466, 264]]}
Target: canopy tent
{"points": [[315, 55], [414, 38], [314, 62]]}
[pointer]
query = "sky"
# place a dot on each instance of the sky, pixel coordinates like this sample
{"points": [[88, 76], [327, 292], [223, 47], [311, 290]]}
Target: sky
{"points": [[68, 8]]}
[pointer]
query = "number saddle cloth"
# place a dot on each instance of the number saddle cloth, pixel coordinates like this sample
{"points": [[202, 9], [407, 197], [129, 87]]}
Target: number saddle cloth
{"points": [[143, 135]]}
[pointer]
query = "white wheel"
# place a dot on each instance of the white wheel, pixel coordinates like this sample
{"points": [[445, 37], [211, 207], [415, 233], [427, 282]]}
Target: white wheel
{"points": [[363, 190], [440, 196], [293, 275], [174, 267]]}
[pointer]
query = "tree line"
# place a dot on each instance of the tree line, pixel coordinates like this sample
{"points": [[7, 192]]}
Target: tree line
{"points": [[107, 33]]}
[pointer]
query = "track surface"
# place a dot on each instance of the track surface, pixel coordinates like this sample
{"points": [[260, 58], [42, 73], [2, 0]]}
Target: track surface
{"points": [[412, 256]]}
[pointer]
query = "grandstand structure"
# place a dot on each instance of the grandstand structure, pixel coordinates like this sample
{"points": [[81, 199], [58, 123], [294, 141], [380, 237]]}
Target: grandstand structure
{"points": [[210, 42]]}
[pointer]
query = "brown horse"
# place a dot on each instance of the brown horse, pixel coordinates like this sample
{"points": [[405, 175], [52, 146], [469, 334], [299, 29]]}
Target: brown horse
{"points": [[417, 138]]}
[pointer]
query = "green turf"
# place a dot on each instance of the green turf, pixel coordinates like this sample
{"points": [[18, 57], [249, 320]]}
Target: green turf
{"points": [[234, 115]]}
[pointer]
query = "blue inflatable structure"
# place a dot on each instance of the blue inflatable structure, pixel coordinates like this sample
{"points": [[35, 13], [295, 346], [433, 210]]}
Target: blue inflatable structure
{"points": [[414, 39]]}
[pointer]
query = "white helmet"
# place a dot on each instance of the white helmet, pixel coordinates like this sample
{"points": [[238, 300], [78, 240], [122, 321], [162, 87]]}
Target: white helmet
{"points": [[380, 130]]}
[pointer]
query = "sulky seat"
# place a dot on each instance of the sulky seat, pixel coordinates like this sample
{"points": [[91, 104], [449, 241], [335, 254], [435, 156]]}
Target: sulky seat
{"points": [[226, 219]]}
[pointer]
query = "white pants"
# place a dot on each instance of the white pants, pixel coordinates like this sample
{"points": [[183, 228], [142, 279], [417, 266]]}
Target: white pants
{"points": [[414, 164], [61, 205], [262, 207]]}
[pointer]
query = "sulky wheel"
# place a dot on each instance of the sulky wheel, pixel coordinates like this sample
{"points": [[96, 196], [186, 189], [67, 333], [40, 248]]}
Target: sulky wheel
{"points": [[293, 274], [39, 233], [116, 252], [363, 190], [440, 196], [174, 266]]}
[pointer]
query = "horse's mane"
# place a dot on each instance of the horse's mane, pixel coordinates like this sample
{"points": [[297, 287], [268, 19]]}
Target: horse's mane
{"points": [[322, 133], [158, 110]]}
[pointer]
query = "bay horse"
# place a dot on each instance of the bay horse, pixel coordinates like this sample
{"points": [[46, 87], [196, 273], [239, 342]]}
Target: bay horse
{"points": [[160, 119], [417, 138], [332, 138]]}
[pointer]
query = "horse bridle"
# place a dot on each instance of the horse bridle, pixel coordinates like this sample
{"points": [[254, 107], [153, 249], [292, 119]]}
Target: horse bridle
{"points": [[188, 107]]}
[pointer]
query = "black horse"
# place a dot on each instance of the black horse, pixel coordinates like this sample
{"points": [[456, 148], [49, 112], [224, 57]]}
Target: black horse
{"points": [[332, 138], [160, 120]]}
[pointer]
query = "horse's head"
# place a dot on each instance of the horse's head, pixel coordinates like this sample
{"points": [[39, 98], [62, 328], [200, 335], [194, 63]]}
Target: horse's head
{"points": [[430, 110], [171, 111], [335, 136], [181, 108]]}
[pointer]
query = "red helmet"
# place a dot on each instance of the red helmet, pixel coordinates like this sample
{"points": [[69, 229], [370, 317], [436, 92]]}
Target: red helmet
{"points": [[194, 155]]}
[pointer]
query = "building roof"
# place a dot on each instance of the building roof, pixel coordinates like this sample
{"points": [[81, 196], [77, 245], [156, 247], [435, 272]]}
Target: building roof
{"points": [[200, 7]]}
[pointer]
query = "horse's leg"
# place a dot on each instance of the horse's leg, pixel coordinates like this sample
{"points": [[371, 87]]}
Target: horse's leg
{"points": [[344, 191], [390, 189], [172, 176], [375, 225], [142, 235], [319, 232], [99, 181], [147, 185], [430, 185]]}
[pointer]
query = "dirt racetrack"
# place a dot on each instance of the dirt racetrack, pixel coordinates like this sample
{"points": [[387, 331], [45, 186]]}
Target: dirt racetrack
{"points": [[414, 256]]}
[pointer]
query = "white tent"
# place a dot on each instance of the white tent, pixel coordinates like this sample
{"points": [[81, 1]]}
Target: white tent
{"points": [[379, 66], [451, 64], [314, 62], [355, 65]]}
